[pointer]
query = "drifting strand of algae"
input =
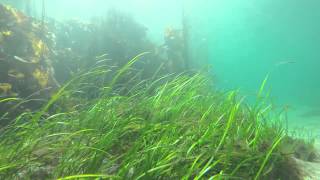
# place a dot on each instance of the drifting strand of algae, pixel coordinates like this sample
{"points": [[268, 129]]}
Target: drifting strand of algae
{"points": [[262, 87], [9, 99], [89, 176]]}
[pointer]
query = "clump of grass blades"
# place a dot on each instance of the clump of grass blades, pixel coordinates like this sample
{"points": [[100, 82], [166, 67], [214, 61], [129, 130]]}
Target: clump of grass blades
{"points": [[179, 128]]}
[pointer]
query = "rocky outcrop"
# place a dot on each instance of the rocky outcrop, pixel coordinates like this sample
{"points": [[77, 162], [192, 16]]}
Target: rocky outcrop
{"points": [[25, 66], [37, 56], [311, 170]]}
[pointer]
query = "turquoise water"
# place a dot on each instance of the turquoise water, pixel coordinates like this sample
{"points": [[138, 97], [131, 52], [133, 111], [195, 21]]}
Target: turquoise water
{"points": [[243, 41], [249, 39], [252, 39]]}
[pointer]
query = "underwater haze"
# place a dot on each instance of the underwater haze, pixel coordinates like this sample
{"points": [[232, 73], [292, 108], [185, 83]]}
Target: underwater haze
{"points": [[247, 40], [243, 40], [159, 89]]}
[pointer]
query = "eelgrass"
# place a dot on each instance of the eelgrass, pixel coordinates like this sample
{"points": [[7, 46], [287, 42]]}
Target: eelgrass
{"points": [[166, 129]]}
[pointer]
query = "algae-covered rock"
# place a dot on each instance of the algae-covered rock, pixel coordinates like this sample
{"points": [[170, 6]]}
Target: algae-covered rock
{"points": [[25, 66], [117, 37], [32, 50]]}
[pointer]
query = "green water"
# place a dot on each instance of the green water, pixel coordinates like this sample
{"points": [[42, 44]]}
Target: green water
{"points": [[254, 37], [248, 39], [244, 41]]}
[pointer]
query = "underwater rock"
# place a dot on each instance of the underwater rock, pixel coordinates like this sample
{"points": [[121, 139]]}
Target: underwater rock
{"points": [[36, 56], [25, 65], [310, 170], [302, 159], [116, 38], [315, 112]]}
